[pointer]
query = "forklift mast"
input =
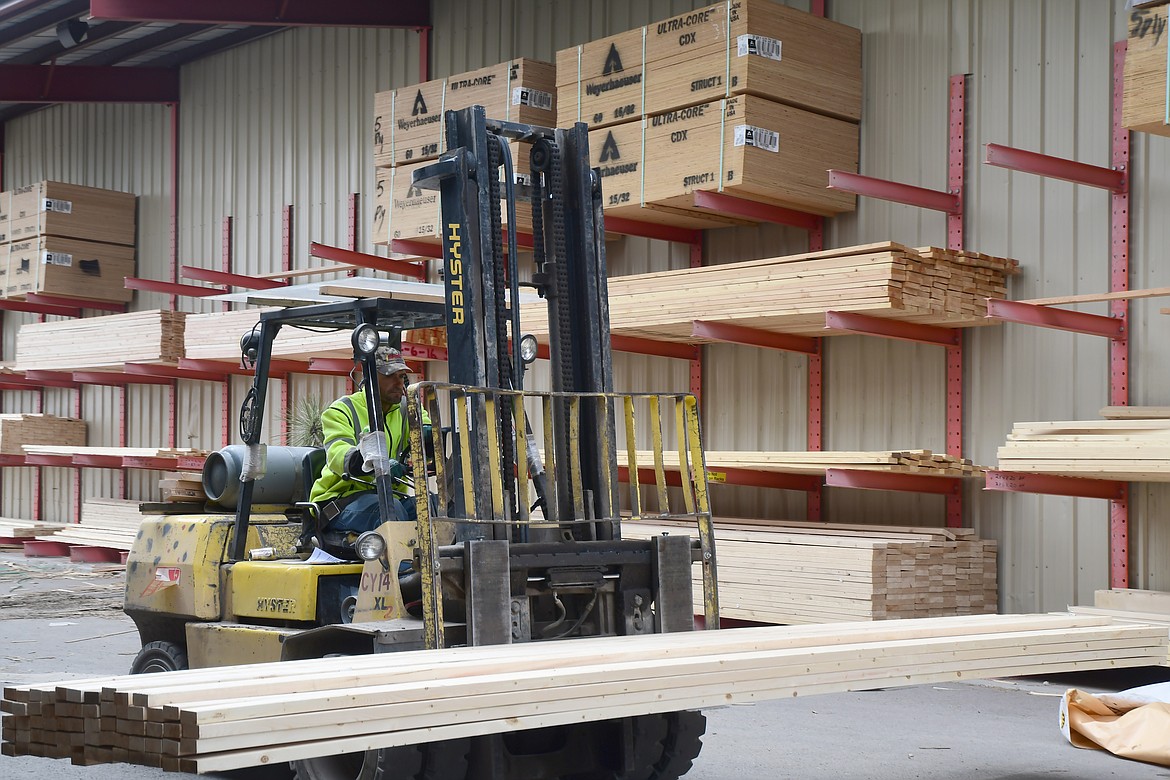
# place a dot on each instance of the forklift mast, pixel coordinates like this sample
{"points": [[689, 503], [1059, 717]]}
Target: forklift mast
{"points": [[482, 285]]}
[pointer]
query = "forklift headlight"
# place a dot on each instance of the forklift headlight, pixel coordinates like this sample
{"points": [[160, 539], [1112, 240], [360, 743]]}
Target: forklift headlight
{"points": [[365, 339], [370, 546], [528, 348]]}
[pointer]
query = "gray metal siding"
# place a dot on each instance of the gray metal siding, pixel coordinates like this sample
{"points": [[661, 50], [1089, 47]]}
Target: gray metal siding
{"points": [[285, 120]]}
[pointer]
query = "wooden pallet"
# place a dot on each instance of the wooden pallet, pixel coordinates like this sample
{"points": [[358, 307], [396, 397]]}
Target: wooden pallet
{"points": [[226, 718]]}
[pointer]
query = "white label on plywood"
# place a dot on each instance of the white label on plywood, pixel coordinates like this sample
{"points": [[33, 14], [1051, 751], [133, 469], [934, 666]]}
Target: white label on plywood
{"points": [[527, 96], [749, 135], [59, 205], [758, 44], [58, 258]]}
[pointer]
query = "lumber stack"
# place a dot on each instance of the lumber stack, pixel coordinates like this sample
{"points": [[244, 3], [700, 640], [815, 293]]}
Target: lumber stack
{"points": [[1144, 104], [1130, 605], [232, 717], [111, 512], [182, 486], [1125, 449], [794, 574], [791, 294], [216, 336], [153, 336], [922, 462], [16, 530], [17, 430]]}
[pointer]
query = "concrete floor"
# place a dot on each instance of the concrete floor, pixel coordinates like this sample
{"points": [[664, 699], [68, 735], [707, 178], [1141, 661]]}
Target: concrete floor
{"points": [[62, 621]]}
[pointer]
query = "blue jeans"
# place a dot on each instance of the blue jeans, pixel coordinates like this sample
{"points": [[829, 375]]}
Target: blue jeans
{"points": [[361, 514]]}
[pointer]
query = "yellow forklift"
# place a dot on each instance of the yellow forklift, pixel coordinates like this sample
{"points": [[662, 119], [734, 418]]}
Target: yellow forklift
{"points": [[519, 529]]}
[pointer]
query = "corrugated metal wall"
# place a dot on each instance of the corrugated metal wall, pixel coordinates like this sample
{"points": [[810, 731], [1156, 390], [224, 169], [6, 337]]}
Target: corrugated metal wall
{"points": [[284, 121]]}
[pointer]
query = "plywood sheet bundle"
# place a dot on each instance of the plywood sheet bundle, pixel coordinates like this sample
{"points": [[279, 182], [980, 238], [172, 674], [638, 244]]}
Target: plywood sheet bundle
{"points": [[1137, 450], [795, 575], [403, 211], [50, 208], [216, 336], [153, 336], [1145, 102], [232, 717], [67, 267], [408, 122], [111, 512], [18, 430], [791, 294], [756, 47], [746, 146]]}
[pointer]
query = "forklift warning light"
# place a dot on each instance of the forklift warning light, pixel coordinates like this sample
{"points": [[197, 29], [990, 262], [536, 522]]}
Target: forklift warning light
{"points": [[164, 577]]}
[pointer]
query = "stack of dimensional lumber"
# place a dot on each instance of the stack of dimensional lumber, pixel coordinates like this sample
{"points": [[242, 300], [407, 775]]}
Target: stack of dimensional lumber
{"points": [[1144, 104], [111, 512], [12, 529], [17, 430], [182, 486], [1128, 605], [1127, 449], [101, 342], [902, 461], [792, 574], [211, 720], [791, 294], [169, 453], [216, 336]]}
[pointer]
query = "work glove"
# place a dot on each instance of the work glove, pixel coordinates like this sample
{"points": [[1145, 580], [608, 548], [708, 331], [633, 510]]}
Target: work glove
{"points": [[397, 469], [355, 462]]}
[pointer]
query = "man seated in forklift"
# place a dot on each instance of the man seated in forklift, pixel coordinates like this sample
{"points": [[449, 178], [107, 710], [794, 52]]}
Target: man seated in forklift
{"points": [[345, 490]]}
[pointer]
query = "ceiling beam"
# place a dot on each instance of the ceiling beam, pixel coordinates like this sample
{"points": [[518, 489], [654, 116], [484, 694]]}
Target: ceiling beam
{"points": [[83, 84], [43, 21], [54, 49], [277, 13], [143, 44]]}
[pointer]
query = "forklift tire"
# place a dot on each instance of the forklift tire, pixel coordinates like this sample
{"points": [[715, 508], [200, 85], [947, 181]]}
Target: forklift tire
{"points": [[446, 760], [665, 746], [161, 656], [351, 766]]}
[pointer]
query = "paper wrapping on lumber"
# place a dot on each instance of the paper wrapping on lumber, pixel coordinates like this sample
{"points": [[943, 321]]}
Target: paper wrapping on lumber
{"points": [[210, 720], [795, 575], [1131, 724], [1123, 449], [102, 342], [791, 294]]}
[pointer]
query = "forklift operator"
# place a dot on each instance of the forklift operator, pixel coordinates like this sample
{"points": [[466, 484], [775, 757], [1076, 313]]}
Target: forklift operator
{"points": [[345, 490]]}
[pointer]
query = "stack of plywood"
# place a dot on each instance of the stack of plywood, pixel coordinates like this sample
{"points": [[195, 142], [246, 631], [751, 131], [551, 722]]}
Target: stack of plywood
{"points": [[104, 522], [67, 240], [153, 336], [1127, 449], [409, 130], [18, 430], [210, 720], [792, 574], [116, 512], [791, 294], [1144, 103], [753, 99]]}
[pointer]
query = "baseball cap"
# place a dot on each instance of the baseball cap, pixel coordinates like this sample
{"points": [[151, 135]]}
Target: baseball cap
{"points": [[389, 361]]}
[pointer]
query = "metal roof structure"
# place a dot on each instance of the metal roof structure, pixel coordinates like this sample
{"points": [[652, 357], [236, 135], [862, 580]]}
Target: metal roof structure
{"points": [[130, 51]]}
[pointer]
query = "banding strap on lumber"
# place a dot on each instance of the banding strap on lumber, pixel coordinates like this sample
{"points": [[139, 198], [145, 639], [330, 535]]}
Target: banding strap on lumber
{"points": [[231, 717]]}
